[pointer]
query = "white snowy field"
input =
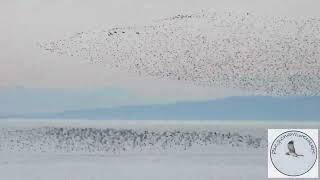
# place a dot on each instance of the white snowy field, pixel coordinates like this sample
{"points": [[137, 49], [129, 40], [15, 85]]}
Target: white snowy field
{"points": [[121, 150]]}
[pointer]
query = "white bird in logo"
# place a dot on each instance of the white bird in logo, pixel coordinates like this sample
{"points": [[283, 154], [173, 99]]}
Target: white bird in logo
{"points": [[292, 151]]}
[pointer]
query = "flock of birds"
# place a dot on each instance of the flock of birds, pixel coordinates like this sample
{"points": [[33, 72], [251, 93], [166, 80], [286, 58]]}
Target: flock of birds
{"points": [[276, 56], [109, 140]]}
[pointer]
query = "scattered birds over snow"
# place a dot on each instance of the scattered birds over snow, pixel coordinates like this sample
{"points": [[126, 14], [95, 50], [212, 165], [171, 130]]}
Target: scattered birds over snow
{"points": [[104, 140], [276, 56]]}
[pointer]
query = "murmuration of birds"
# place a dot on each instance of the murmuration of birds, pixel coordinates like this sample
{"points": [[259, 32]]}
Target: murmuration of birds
{"points": [[263, 55], [110, 140]]}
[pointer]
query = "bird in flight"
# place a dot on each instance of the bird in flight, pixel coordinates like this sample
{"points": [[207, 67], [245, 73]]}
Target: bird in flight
{"points": [[292, 151]]}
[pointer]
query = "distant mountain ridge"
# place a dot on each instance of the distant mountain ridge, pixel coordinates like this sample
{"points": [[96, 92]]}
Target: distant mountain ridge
{"points": [[233, 108]]}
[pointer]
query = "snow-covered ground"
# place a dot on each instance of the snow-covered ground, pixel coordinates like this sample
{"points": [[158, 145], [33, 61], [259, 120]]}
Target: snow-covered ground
{"points": [[82, 150]]}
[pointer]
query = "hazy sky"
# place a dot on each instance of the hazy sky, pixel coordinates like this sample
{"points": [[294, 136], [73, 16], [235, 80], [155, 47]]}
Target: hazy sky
{"points": [[24, 23]]}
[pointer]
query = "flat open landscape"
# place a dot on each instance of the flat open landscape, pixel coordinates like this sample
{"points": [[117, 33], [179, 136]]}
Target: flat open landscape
{"points": [[82, 150], [159, 89]]}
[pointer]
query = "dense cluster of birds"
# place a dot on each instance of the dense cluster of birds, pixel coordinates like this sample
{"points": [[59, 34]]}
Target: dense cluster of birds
{"points": [[263, 55], [109, 140]]}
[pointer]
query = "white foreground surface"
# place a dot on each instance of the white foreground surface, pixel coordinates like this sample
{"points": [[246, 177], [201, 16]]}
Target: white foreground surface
{"points": [[219, 159], [84, 167]]}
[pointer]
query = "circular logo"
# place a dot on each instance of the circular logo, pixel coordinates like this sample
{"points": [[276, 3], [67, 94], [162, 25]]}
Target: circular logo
{"points": [[293, 153]]}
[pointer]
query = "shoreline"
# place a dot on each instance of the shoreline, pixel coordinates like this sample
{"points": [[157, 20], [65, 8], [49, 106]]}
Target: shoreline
{"points": [[156, 123]]}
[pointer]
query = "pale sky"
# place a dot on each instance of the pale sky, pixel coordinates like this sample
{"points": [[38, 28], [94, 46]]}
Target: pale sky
{"points": [[25, 23]]}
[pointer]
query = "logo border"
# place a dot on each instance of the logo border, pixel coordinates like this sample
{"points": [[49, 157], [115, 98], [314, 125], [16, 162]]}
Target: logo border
{"points": [[313, 162]]}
